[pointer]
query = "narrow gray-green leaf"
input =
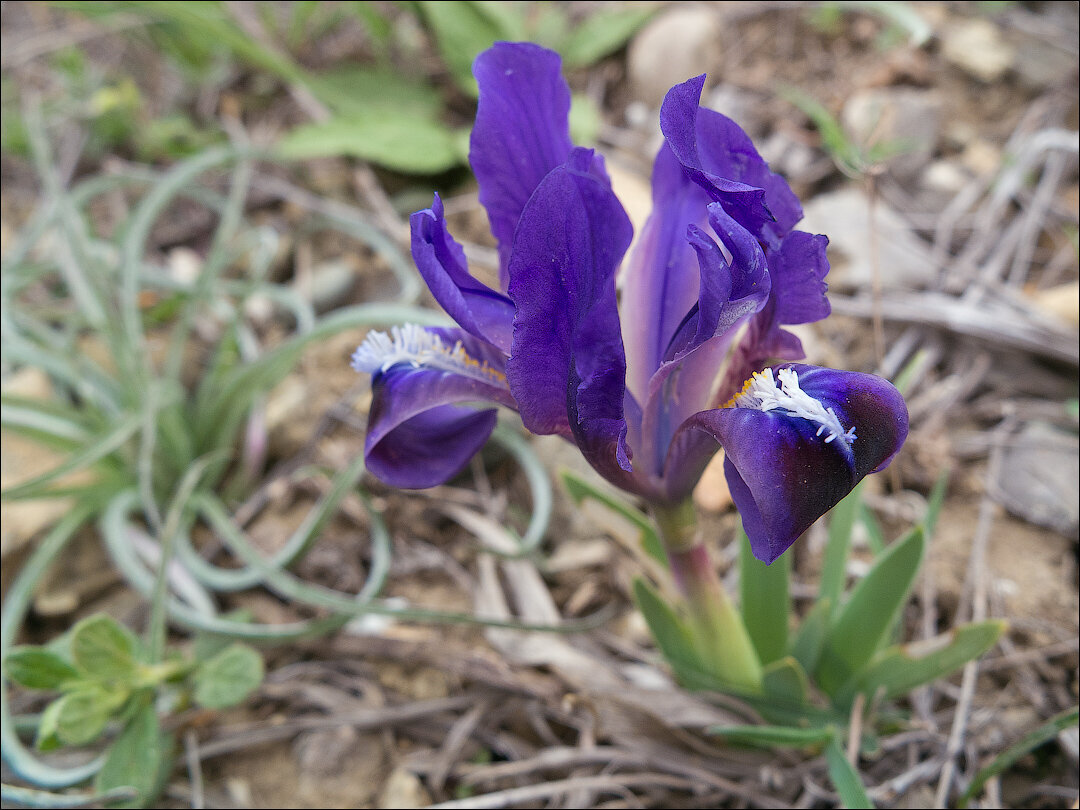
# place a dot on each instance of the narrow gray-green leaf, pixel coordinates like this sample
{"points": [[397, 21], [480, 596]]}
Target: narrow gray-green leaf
{"points": [[785, 681]]}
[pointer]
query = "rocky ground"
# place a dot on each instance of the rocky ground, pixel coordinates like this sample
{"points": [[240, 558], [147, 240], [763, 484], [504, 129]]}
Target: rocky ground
{"points": [[951, 204]]}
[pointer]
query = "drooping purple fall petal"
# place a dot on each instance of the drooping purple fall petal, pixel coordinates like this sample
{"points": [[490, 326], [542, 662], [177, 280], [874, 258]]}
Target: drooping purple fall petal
{"points": [[423, 426], [796, 444]]}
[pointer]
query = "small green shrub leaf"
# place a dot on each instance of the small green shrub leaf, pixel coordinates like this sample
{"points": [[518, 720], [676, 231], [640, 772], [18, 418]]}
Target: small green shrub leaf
{"points": [[104, 649], [228, 677], [82, 715], [602, 34], [38, 668], [138, 759]]}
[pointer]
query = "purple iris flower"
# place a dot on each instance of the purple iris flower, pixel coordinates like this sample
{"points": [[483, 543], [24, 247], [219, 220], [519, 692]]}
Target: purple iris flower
{"points": [[648, 388]]}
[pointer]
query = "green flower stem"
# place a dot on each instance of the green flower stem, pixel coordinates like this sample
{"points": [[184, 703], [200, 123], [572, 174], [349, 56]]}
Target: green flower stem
{"points": [[719, 633]]}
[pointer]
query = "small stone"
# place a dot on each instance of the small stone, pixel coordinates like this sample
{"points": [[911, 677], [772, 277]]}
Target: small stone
{"points": [[981, 157], [945, 177], [711, 493], [330, 284], [903, 258], [1040, 478], [904, 121], [673, 47], [402, 791], [978, 48]]}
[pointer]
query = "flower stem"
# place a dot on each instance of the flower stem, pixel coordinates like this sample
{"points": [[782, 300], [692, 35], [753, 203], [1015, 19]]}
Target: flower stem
{"points": [[720, 636]]}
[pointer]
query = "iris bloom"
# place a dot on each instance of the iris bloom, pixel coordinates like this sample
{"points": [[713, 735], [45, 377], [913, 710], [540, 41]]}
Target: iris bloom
{"points": [[648, 388]]}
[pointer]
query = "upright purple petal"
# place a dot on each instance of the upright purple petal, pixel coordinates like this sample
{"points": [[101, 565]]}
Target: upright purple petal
{"points": [[567, 367], [716, 153], [797, 270], [479, 310], [660, 282], [521, 131], [734, 285], [791, 458], [423, 426]]}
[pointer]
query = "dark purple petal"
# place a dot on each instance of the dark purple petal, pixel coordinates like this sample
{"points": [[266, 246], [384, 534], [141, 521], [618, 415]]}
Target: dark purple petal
{"points": [[521, 131], [783, 470], [479, 310], [720, 157], [660, 282], [420, 431], [734, 285], [798, 269], [567, 367]]}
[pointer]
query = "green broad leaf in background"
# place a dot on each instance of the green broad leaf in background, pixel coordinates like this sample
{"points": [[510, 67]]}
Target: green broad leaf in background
{"points": [[837, 550], [897, 670], [104, 649], [409, 144], [357, 92], [464, 28], [228, 677], [585, 120], [845, 778], [602, 34], [139, 758], [863, 623], [38, 668], [581, 490], [774, 736]]}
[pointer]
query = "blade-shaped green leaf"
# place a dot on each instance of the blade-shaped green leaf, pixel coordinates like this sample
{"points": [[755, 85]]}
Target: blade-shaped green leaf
{"points": [[863, 623], [785, 680], [580, 490], [764, 601], [406, 143], [38, 668], [671, 634], [845, 778], [834, 566], [810, 637], [82, 714], [774, 736], [1020, 748], [899, 669]]}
